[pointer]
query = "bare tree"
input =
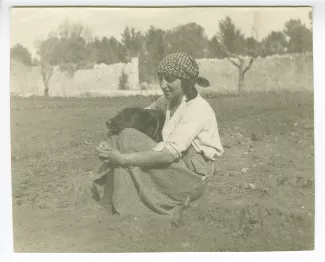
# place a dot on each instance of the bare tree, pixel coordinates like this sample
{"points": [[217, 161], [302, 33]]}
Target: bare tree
{"points": [[238, 50], [242, 69]]}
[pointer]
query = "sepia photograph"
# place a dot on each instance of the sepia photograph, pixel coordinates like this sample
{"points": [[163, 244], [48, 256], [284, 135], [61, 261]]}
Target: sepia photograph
{"points": [[162, 129]]}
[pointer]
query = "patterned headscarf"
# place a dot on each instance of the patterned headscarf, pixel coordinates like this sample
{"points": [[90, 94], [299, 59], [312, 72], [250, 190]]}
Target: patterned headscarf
{"points": [[181, 65]]}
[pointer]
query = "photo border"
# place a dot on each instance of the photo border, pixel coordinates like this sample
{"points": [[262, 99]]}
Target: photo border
{"points": [[6, 246]]}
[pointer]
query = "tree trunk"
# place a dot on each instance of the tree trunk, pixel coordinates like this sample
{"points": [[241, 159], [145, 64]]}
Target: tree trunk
{"points": [[241, 84], [46, 75], [46, 90], [240, 89]]}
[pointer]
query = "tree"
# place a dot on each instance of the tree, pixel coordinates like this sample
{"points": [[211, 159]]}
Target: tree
{"points": [[232, 44], [155, 49], [230, 41], [132, 42], [72, 52], [214, 50], [123, 81], [21, 54], [300, 37], [155, 43], [69, 48], [107, 51], [116, 47], [275, 43], [189, 38], [47, 51]]}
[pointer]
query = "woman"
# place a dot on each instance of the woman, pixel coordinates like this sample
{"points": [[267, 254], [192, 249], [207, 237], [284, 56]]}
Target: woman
{"points": [[159, 179]]}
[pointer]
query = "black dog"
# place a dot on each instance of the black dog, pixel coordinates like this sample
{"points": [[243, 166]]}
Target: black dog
{"points": [[147, 121]]}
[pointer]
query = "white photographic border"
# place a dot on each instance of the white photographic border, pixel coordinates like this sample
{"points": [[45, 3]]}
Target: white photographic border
{"points": [[6, 245]]}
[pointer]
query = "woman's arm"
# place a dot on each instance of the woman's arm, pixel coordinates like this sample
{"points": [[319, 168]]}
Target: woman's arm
{"points": [[141, 159], [151, 157]]}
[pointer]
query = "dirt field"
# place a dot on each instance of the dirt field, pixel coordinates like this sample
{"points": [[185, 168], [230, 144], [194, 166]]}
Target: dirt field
{"points": [[260, 199]]}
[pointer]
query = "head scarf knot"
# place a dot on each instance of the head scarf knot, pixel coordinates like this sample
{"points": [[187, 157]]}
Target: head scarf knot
{"points": [[182, 65]]}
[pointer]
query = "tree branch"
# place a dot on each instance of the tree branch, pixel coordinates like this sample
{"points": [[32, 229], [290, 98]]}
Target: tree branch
{"points": [[47, 71], [233, 62], [250, 64], [50, 73], [229, 55], [226, 50]]}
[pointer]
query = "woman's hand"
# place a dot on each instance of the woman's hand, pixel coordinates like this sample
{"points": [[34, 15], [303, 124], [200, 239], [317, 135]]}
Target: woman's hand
{"points": [[104, 146], [112, 156]]}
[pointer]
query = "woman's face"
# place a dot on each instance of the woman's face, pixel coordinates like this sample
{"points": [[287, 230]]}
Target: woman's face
{"points": [[171, 86]]}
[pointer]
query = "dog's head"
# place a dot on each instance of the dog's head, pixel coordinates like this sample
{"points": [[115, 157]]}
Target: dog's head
{"points": [[147, 121]]}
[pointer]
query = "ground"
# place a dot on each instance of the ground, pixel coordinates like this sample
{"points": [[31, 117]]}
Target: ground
{"points": [[261, 197]]}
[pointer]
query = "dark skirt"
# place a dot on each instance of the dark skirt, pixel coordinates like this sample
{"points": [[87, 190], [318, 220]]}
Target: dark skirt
{"points": [[160, 190]]}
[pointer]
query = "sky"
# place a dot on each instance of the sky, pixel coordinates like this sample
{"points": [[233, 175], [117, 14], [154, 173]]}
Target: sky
{"points": [[27, 25]]}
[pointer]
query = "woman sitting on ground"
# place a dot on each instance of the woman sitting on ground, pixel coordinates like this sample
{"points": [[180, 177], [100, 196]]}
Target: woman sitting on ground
{"points": [[152, 178]]}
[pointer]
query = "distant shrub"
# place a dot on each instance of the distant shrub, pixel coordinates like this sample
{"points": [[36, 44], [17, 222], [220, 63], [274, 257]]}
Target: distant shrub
{"points": [[123, 81]]}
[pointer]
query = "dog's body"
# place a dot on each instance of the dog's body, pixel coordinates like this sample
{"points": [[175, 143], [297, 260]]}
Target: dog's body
{"points": [[147, 121]]}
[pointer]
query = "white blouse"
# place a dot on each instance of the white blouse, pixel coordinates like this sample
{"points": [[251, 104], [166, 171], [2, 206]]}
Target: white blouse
{"points": [[193, 123]]}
